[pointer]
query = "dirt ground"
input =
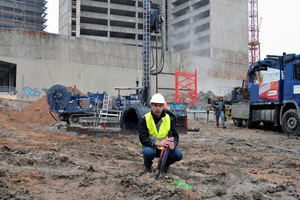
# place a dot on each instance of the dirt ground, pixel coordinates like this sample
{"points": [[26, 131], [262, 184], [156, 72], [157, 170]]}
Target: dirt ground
{"points": [[38, 161]]}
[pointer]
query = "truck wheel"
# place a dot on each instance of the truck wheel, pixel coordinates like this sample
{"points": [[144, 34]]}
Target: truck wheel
{"points": [[74, 119], [290, 122], [249, 123], [244, 123], [235, 121]]}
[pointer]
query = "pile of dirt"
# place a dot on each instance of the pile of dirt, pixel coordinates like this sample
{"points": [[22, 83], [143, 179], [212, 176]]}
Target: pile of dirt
{"points": [[36, 113], [202, 98], [76, 91]]}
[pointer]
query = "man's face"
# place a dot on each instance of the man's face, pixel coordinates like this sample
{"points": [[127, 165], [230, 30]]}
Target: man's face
{"points": [[157, 109]]}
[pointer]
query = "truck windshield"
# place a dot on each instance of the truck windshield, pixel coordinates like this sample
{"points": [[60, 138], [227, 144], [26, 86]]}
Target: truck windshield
{"points": [[268, 76]]}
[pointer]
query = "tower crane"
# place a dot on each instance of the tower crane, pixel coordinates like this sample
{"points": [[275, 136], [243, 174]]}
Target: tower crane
{"points": [[254, 44]]}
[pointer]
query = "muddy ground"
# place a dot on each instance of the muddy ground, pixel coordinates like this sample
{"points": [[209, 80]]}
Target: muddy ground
{"points": [[38, 161]]}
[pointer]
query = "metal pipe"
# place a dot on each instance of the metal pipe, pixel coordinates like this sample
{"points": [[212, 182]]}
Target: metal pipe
{"points": [[156, 63]]}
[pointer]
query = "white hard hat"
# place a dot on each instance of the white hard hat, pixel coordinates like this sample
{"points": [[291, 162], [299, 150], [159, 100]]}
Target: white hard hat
{"points": [[157, 98]]}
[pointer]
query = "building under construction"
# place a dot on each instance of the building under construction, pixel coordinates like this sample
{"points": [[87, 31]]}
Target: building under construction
{"points": [[23, 14], [190, 26]]}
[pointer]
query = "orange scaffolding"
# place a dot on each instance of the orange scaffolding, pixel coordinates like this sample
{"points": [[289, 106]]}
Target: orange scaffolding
{"points": [[186, 87]]}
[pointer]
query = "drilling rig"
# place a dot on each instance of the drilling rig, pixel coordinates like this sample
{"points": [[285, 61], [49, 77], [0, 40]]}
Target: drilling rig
{"points": [[88, 110], [152, 22]]}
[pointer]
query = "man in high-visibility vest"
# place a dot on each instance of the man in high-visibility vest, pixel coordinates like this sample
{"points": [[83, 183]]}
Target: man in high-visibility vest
{"points": [[154, 127]]}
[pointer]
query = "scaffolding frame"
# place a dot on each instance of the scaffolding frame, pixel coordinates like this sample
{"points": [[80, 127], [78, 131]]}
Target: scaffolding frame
{"points": [[186, 87], [23, 14]]}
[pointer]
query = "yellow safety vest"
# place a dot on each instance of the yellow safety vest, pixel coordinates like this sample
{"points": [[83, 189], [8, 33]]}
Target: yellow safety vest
{"points": [[164, 129]]}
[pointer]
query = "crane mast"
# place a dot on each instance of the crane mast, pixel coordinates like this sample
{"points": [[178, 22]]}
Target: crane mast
{"points": [[152, 22], [146, 50], [254, 44]]}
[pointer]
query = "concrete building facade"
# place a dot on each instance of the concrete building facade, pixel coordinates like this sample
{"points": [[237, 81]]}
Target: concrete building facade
{"points": [[216, 31], [23, 14], [41, 60], [193, 27], [118, 21]]}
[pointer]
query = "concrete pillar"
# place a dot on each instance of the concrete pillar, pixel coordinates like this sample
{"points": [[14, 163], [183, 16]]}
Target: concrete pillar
{"points": [[78, 4], [108, 20]]}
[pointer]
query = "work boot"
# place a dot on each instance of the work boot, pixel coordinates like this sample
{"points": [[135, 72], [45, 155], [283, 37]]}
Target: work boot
{"points": [[147, 169], [167, 168], [223, 125], [217, 125]]}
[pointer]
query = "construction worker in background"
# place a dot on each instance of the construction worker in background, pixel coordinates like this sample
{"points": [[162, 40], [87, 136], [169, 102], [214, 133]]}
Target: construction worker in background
{"points": [[220, 110], [166, 105], [154, 127]]}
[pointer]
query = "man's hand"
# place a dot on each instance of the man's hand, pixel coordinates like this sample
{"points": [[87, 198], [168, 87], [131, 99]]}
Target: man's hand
{"points": [[171, 146], [165, 143]]}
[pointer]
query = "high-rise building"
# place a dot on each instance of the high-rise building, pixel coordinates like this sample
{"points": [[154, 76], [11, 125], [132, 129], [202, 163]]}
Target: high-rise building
{"points": [[109, 20], [23, 14], [190, 26], [205, 28]]}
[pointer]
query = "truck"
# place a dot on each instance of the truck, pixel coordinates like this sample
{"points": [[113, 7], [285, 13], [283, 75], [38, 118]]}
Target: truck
{"points": [[270, 94]]}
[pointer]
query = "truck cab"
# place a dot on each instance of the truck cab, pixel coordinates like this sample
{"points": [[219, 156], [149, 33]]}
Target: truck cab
{"points": [[292, 81], [271, 94]]}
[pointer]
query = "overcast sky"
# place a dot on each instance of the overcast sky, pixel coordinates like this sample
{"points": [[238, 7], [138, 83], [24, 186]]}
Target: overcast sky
{"points": [[279, 31], [52, 16]]}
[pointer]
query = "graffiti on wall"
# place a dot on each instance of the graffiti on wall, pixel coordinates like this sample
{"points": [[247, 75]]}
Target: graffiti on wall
{"points": [[29, 91]]}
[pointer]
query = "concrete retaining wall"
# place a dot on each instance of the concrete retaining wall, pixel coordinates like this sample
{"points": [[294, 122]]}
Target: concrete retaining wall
{"points": [[44, 60], [193, 115]]}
